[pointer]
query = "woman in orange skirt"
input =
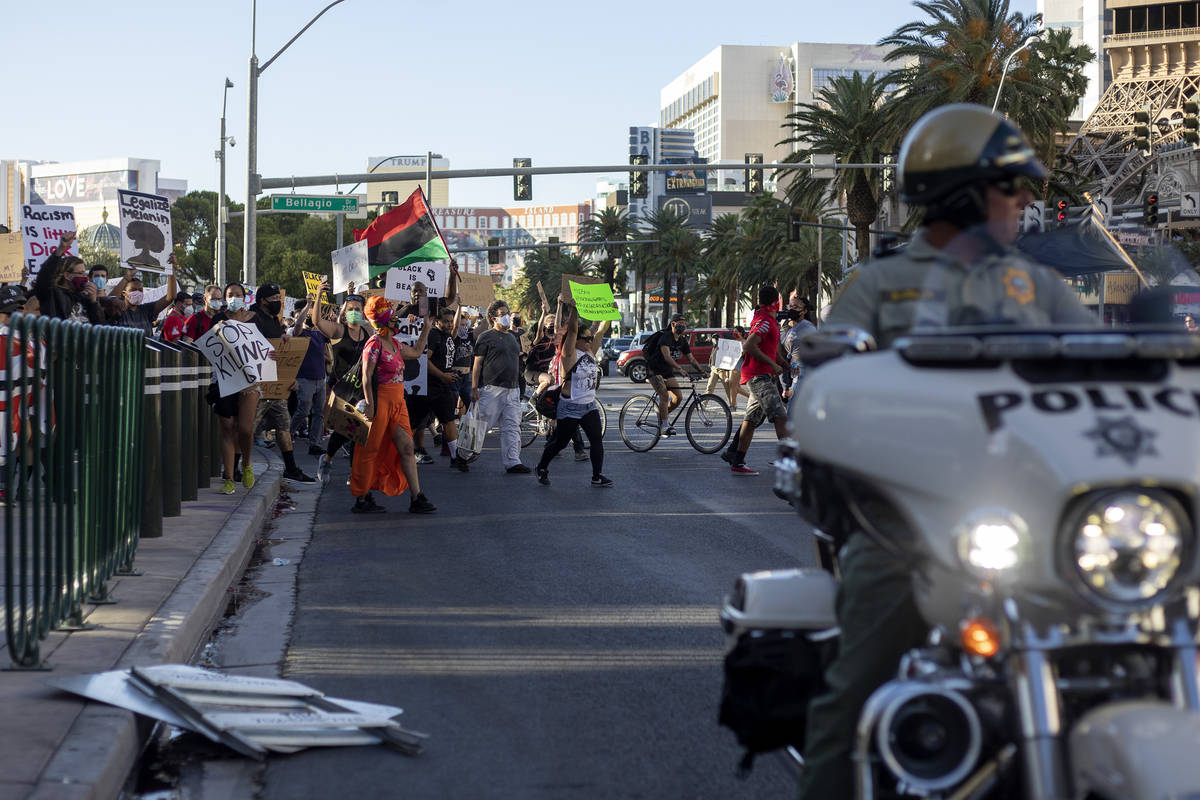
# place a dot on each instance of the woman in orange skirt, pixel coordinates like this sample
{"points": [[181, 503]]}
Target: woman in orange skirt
{"points": [[387, 463]]}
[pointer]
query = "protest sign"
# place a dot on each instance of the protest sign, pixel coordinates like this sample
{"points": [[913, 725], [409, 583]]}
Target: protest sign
{"points": [[727, 353], [238, 354], [288, 357], [41, 228], [595, 301], [342, 417], [311, 282], [400, 280], [145, 230], [350, 266], [476, 290], [582, 280], [416, 373], [12, 257], [542, 294]]}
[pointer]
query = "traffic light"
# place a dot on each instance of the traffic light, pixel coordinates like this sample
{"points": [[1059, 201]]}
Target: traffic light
{"points": [[522, 184], [639, 182], [793, 234], [1150, 209], [754, 177], [1061, 209], [1141, 131], [494, 256], [1191, 122], [389, 201]]}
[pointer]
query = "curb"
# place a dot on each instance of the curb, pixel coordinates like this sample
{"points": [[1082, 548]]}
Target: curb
{"points": [[96, 758]]}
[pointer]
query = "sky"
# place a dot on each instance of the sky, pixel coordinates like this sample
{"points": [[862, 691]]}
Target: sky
{"points": [[478, 82]]}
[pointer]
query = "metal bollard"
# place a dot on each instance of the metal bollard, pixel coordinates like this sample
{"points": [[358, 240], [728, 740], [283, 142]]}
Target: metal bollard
{"points": [[171, 421], [152, 503], [188, 481]]}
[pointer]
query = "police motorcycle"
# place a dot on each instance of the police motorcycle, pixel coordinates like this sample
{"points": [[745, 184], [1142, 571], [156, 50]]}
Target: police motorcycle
{"points": [[1043, 485]]}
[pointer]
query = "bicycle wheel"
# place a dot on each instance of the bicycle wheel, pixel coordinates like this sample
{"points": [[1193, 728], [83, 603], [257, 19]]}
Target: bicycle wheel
{"points": [[639, 423], [529, 425], [603, 419], [708, 423]]}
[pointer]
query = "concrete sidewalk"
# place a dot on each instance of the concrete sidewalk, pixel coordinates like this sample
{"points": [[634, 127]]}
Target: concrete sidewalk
{"points": [[54, 746]]}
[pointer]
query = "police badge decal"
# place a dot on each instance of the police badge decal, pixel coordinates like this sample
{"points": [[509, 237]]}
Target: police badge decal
{"points": [[1018, 285]]}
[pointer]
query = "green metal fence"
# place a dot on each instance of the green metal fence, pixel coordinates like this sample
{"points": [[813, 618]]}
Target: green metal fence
{"points": [[71, 441]]}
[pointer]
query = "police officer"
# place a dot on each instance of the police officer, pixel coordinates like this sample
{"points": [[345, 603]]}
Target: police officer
{"points": [[964, 164]]}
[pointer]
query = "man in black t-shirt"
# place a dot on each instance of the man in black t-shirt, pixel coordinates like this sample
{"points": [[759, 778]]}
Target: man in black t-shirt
{"points": [[268, 303], [443, 397], [663, 362]]}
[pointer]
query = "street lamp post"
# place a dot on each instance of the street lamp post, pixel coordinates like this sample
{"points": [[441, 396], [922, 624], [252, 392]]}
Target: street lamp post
{"points": [[222, 210], [1007, 62], [250, 273]]}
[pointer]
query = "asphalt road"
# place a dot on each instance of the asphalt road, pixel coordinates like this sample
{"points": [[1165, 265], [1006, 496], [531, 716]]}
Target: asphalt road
{"points": [[555, 642]]}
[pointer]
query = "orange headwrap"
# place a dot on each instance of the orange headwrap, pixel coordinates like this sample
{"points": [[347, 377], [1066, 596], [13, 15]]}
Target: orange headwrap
{"points": [[378, 310]]}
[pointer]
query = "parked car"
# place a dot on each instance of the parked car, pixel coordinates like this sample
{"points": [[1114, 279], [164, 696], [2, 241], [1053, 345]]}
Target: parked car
{"points": [[632, 363], [615, 345]]}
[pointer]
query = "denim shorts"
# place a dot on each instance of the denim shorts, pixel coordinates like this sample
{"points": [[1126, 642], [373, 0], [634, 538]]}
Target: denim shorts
{"points": [[569, 410]]}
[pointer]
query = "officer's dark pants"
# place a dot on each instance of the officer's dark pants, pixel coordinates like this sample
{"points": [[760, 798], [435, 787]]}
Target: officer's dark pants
{"points": [[879, 623]]}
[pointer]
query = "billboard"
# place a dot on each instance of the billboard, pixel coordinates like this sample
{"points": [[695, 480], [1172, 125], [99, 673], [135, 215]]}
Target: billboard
{"points": [[686, 181], [91, 187], [697, 208]]}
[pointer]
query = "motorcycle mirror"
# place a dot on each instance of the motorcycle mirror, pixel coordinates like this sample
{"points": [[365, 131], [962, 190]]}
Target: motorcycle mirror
{"points": [[833, 342]]}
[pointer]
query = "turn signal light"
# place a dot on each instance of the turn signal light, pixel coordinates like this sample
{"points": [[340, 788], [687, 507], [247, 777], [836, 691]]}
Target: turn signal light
{"points": [[980, 638]]}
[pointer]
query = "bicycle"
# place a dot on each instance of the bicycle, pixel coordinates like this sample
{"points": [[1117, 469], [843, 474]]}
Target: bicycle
{"points": [[533, 424], [708, 423]]}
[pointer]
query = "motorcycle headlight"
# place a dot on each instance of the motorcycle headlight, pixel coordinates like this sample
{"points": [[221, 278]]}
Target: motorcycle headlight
{"points": [[990, 541], [1128, 544]]}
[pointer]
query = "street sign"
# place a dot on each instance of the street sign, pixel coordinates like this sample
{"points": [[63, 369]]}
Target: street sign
{"points": [[1189, 205], [1032, 216], [315, 204], [1104, 204]]}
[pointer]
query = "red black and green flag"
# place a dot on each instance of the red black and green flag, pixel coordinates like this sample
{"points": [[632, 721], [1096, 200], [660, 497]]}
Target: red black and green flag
{"points": [[405, 235]]}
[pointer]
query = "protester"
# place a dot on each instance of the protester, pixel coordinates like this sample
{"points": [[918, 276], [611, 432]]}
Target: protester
{"points": [[310, 383], [541, 354], [441, 380], [139, 314], [236, 411], [98, 275], [420, 408], [760, 365], [577, 407], [268, 305], [386, 463], [174, 326], [63, 289], [494, 384], [464, 357], [349, 334], [729, 378], [209, 305], [798, 309], [664, 351]]}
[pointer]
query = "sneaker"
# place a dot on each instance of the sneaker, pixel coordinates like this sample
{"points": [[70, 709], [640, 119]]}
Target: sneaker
{"points": [[228, 486], [459, 464], [423, 457], [316, 450], [601, 482], [324, 468], [518, 469], [367, 505], [581, 455], [543, 476], [248, 476], [742, 469], [670, 431], [421, 505], [298, 475]]}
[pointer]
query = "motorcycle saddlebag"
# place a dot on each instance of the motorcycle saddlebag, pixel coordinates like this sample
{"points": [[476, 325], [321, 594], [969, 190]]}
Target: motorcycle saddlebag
{"points": [[784, 635]]}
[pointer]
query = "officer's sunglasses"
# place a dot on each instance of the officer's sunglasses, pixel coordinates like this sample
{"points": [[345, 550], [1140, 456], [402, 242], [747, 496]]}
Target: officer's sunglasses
{"points": [[1008, 188]]}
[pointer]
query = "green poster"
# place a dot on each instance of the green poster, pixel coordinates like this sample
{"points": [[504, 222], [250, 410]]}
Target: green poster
{"points": [[595, 301]]}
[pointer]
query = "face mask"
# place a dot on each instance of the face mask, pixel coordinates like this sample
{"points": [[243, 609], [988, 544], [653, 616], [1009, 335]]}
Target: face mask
{"points": [[354, 317], [462, 330], [79, 281], [505, 320], [236, 303], [189, 310], [273, 306], [100, 282], [679, 329], [214, 303], [135, 298]]}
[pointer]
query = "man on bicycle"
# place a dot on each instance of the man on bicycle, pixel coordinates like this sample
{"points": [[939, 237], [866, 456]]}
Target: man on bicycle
{"points": [[663, 364]]}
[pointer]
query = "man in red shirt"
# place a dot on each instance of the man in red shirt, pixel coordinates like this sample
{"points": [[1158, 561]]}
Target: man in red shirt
{"points": [[181, 309], [201, 322], [759, 368]]}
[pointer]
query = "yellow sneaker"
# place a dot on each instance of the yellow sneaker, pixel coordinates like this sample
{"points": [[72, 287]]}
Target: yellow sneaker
{"points": [[248, 476], [228, 487]]}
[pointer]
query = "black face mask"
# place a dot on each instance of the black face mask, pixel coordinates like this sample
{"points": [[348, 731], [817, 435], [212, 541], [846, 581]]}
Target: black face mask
{"points": [[273, 306]]}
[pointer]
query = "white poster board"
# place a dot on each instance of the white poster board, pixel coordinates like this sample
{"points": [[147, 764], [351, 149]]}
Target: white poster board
{"points": [[400, 280], [145, 230], [726, 354], [41, 228], [350, 266], [416, 374], [238, 353]]}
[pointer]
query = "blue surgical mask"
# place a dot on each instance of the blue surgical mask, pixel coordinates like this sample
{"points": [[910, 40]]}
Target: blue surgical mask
{"points": [[236, 303], [100, 282]]}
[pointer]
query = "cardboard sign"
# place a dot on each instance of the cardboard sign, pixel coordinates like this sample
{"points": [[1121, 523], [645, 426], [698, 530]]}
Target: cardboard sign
{"points": [[289, 356], [311, 281], [727, 353], [542, 294], [416, 373], [12, 257], [582, 280], [350, 266], [595, 301], [41, 228], [400, 280], [145, 230], [342, 417], [476, 290], [238, 354]]}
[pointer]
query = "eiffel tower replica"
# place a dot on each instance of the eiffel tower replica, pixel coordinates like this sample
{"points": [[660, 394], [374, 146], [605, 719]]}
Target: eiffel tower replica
{"points": [[1153, 50]]}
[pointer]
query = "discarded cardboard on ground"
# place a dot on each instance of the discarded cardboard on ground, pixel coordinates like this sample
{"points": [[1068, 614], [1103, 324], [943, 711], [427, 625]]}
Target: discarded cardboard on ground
{"points": [[252, 716]]}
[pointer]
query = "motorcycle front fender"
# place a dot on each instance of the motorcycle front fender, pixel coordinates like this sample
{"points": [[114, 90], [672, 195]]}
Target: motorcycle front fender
{"points": [[1137, 750]]}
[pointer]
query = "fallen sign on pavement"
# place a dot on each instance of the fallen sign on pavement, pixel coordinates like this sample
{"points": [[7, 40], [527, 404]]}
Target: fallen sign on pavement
{"points": [[252, 716]]}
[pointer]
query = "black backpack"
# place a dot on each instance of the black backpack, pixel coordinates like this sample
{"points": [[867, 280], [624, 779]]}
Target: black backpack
{"points": [[652, 350], [770, 677]]}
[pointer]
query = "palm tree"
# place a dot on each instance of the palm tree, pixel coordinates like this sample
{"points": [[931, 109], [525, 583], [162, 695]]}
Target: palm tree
{"points": [[547, 267], [610, 225], [851, 122], [722, 264], [677, 247]]}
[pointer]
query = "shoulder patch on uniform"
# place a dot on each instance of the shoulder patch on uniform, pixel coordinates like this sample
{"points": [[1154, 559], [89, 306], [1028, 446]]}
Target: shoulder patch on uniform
{"points": [[1019, 286], [910, 295]]}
